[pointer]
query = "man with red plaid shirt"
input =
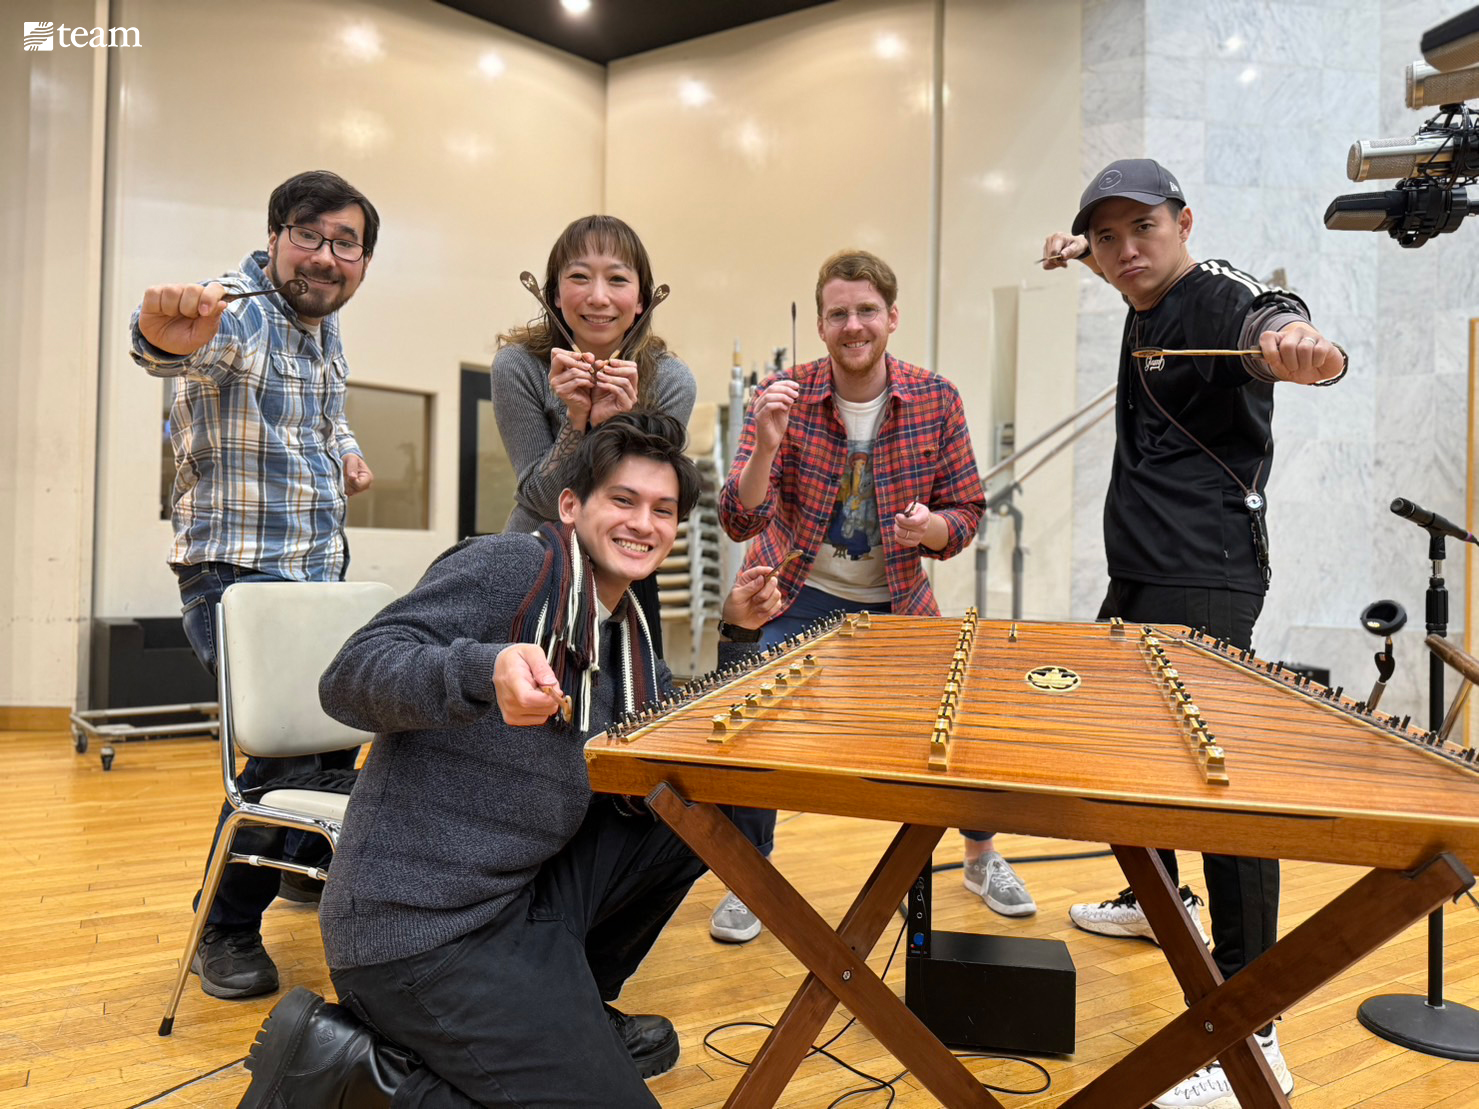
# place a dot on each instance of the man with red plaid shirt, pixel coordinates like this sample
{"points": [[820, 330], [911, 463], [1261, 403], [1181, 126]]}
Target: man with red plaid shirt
{"points": [[862, 465]]}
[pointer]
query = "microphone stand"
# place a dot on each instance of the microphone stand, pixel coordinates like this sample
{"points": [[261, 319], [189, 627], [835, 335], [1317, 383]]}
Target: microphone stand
{"points": [[1428, 1024]]}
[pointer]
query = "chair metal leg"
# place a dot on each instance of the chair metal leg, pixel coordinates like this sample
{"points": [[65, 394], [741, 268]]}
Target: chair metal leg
{"points": [[220, 856]]}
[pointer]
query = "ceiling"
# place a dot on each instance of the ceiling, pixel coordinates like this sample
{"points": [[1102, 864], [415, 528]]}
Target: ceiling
{"points": [[614, 29]]}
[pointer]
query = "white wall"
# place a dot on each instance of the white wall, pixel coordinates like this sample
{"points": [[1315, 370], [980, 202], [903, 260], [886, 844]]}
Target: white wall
{"points": [[51, 239], [1010, 139]]}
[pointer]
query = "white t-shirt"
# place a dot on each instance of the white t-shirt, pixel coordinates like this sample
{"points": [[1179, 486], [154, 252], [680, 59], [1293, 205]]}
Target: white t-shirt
{"points": [[850, 563]]}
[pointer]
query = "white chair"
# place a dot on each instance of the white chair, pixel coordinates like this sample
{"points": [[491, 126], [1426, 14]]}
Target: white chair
{"points": [[275, 640]]}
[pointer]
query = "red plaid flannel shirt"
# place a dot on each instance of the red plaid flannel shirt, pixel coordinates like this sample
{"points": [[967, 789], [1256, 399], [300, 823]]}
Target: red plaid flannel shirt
{"points": [[923, 453]]}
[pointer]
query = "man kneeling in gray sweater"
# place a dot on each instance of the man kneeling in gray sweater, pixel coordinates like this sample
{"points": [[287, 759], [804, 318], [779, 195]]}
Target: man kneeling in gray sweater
{"points": [[485, 907]]}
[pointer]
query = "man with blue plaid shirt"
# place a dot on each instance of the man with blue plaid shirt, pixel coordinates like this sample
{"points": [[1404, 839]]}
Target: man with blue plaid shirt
{"points": [[265, 462], [861, 465]]}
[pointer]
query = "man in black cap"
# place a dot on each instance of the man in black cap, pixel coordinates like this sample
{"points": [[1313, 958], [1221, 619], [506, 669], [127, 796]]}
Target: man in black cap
{"points": [[1184, 530]]}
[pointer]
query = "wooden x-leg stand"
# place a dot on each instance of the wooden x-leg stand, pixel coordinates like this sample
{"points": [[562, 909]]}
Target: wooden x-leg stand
{"points": [[837, 959], [1221, 1016]]}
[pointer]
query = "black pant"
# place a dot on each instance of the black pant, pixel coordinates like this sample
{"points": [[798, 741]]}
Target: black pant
{"points": [[1242, 893], [510, 1014]]}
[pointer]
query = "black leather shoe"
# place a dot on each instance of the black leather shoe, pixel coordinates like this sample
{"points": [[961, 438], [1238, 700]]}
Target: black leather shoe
{"points": [[231, 963], [313, 1054], [651, 1041], [297, 887]]}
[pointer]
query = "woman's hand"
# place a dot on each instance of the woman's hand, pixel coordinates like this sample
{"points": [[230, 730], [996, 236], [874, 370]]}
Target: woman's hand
{"points": [[572, 377], [615, 389]]}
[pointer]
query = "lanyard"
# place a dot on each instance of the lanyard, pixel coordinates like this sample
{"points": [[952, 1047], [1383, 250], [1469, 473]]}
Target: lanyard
{"points": [[1253, 500]]}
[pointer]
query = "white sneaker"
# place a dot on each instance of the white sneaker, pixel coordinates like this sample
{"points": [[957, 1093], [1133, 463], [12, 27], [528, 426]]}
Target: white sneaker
{"points": [[1123, 916], [993, 879], [733, 922], [1210, 1089]]}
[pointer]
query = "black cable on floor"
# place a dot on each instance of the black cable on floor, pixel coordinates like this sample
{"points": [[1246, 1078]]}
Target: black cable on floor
{"points": [[188, 1082], [875, 1083], [940, 868]]}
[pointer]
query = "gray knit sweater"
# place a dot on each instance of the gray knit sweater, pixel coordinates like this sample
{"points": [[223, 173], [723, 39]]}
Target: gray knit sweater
{"points": [[454, 810], [530, 417]]}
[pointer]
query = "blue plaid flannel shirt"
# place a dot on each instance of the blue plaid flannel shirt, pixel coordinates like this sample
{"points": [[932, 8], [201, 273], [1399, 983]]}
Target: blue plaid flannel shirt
{"points": [[259, 437]]}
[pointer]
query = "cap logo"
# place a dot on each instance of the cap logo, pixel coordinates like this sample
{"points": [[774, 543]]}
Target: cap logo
{"points": [[1110, 180], [1172, 186]]}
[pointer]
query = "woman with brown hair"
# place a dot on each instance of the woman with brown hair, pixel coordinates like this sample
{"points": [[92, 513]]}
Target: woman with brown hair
{"points": [[546, 395]]}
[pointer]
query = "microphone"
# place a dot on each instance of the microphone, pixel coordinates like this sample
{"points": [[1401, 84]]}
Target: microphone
{"points": [[1435, 524], [1439, 150], [1454, 43], [1412, 214], [1427, 87]]}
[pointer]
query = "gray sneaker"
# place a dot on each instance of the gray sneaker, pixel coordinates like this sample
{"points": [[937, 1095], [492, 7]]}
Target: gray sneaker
{"points": [[733, 922], [993, 878]]}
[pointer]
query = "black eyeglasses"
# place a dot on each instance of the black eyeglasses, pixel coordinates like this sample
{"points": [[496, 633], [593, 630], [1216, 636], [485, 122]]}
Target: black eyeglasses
{"points": [[346, 250]]}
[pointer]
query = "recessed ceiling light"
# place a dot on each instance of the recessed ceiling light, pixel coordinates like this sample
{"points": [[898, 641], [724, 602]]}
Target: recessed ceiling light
{"points": [[576, 7], [362, 41], [694, 94], [888, 45]]}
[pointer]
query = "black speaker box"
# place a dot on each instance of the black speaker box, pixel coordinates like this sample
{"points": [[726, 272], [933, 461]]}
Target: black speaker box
{"points": [[145, 660], [994, 993]]}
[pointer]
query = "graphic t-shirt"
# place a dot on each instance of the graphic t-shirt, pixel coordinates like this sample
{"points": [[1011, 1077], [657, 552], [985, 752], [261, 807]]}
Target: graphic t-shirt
{"points": [[850, 563]]}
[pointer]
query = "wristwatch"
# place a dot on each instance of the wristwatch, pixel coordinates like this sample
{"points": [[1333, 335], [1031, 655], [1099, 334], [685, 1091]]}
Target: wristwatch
{"points": [[736, 634]]}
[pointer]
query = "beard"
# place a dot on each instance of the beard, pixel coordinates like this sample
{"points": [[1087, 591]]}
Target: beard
{"points": [[319, 301], [859, 362]]}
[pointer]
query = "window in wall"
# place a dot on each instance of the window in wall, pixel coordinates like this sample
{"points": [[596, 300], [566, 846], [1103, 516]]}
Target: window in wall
{"points": [[393, 427], [485, 485]]}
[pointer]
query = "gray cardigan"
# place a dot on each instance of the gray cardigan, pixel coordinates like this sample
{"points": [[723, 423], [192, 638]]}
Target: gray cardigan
{"points": [[454, 810], [530, 417]]}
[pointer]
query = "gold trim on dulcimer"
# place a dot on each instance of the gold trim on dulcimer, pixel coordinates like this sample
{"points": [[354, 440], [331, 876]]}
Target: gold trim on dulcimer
{"points": [[1209, 754], [766, 690], [939, 753]]}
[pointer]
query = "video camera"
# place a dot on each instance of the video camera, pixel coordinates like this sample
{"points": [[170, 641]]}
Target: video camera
{"points": [[1438, 165]]}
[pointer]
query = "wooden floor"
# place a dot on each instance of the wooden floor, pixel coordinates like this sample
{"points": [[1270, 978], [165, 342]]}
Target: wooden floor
{"points": [[97, 870]]}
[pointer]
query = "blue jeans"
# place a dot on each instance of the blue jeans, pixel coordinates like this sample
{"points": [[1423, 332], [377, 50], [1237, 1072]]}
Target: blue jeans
{"points": [[246, 891], [758, 825]]}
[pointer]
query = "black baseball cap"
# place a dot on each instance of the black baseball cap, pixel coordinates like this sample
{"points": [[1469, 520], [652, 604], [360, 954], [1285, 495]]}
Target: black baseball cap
{"points": [[1141, 179]]}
